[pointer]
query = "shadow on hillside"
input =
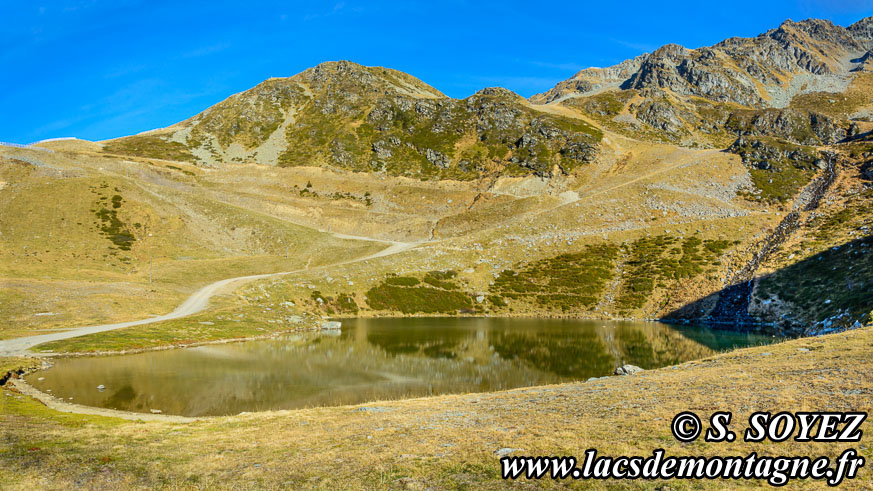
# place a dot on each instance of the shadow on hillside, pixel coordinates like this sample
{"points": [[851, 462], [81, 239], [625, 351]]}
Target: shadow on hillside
{"points": [[831, 289]]}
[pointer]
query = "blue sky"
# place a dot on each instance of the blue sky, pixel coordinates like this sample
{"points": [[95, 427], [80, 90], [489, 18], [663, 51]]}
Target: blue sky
{"points": [[99, 69]]}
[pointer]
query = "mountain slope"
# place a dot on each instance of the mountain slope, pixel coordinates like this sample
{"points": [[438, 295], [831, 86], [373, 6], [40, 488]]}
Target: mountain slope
{"points": [[764, 71], [347, 116], [599, 203], [778, 84]]}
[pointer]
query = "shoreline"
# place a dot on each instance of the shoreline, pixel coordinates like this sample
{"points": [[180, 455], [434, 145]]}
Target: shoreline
{"points": [[130, 351], [17, 382]]}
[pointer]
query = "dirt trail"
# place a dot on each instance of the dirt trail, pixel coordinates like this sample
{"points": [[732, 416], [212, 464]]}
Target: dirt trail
{"points": [[194, 304]]}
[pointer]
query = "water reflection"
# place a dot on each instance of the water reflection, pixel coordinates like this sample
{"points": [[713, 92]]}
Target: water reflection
{"points": [[373, 359]]}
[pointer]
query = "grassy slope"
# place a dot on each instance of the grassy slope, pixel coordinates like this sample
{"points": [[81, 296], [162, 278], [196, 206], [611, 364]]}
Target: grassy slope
{"points": [[449, 440], [227, 318], [347, 116], [633, 192], [83, 259], [645, 190], [408, 440], [826, 268]]}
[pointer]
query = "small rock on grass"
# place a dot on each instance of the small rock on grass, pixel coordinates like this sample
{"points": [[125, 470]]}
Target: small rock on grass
{"points": [[374, 409], [506, 451], [627, 370]]}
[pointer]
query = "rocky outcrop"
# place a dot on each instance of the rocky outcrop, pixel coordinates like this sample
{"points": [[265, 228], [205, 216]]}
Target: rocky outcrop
{"points": [[591, 80], [499, 125], [762, 152], [349, 116], [795, 126], [747, 71], [864, 63], [627, 370]]}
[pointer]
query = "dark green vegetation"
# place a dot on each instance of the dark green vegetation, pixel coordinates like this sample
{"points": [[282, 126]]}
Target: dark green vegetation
{"points": [[659, 261], [150, 147], [308, 192], [836, 283], [838, 280], [341, 304], [566, 283], [407, 295], [402, 281], [778, 169], [179, 169], [110, 226], [441, 279], [569, 283]]}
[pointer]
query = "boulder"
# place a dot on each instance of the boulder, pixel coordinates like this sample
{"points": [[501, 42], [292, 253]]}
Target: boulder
{"points": [[627, 370], [331, 325]]}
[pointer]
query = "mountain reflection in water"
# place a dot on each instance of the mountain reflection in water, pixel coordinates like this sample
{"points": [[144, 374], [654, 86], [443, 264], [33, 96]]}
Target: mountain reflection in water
{"points": [[377, 359]]}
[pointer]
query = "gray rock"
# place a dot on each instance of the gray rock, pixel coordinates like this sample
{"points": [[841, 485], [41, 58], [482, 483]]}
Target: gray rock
{"points": [[331, 325], [380, 148], [374, 409], [437, 158], [627, 370], [506, 451]]}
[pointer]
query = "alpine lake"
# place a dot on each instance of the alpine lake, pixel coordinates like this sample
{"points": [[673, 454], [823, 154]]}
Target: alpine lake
{"points": [[376, 359]]}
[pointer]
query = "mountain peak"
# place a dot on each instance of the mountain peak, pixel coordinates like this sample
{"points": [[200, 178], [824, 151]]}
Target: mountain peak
{"points": [[863, 29], [349, 76], [750, 71], [499, 92]]}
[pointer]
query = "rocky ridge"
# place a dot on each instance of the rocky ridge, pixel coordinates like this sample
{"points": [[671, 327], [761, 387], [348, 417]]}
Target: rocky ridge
{"points": [[371, 119], [753, 72]]}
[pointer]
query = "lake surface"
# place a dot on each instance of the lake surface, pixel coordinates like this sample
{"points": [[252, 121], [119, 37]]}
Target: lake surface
{"points": [[376, 359]]}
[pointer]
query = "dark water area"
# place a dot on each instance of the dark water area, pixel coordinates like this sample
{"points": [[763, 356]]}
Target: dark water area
{"points": [[377, 359]]}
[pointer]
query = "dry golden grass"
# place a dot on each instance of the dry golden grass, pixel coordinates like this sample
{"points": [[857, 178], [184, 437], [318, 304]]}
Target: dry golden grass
{"points": [[449, 441]]}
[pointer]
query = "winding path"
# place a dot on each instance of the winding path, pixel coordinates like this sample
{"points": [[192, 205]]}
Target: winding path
{"points": [[194, 304]]}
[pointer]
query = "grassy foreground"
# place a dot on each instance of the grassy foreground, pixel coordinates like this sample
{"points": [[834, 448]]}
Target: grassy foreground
{"points": [[447, 441]]}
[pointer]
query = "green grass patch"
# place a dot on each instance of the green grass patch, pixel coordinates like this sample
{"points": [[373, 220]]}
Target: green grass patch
{"points": [[402, 281], [837, 280], [150, 147], [565, 283], [778, 169], [219, 324], [420, 299], [110, 225], [661, 261]]}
